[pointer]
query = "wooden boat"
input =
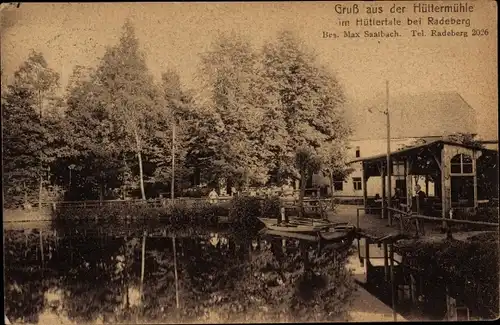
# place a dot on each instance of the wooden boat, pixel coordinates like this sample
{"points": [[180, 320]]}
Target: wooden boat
{"points": [[338, 233], [334, 238], [296, 225]]}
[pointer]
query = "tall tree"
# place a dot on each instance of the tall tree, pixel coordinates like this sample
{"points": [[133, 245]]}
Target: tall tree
{"points": [[21, 146], [94, 135], [128, 94], [307, 163], [311, 104], [178, 114], [26, 102], [230, 70]]}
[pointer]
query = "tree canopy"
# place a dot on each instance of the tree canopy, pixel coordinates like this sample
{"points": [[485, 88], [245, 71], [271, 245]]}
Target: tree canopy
{"points": [[257, 112]]}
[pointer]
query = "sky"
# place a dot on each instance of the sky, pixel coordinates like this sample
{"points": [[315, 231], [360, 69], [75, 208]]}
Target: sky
{"points": [[172, 35]]}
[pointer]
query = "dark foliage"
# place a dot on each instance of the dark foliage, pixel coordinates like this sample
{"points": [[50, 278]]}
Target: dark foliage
{"points": [[224, 281], [470, 269]]}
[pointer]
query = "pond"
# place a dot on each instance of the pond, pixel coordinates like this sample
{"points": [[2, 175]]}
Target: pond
{"points": [[119, 273]]}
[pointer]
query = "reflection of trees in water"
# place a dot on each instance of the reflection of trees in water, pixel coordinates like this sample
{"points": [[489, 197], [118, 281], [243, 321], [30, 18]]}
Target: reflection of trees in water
{"points": [[24, 279], [91, 283], [231, 277], [24, 298]]}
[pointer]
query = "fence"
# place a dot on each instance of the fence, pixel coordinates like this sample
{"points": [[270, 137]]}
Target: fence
{"points": [[407, 220], [153, 203], [160, 202]]}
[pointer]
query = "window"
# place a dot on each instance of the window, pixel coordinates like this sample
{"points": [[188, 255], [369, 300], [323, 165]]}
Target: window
{"points": [[338, 185], [461, 164], [401, 184], [356, 181], [462, 190], [358, 152], [398, 168]]}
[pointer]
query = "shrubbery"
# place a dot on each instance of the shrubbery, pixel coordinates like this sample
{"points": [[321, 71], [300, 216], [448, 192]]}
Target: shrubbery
{"points": [[484, 214], [242, 211], [470, 269]]}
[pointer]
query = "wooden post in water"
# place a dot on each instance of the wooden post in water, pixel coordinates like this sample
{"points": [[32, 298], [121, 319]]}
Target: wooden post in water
{"points": [[393, 284], [451, 306], [386, 262], [56, 239], [176, 276], [41, 247], [305, 254], [367, 258], [143, 262], [413, 289], [26, 240]]}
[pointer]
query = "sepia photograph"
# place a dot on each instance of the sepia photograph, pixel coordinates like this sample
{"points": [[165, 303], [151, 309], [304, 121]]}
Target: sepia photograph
{"points": [[249, 162]]}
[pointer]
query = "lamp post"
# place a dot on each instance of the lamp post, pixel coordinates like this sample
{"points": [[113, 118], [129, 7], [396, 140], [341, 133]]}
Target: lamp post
{"points": [[388, 158], [389, 171], [70, 167], [172, 183]]}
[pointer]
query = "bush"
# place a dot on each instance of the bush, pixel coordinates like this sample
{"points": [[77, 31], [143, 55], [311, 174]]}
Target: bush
{"points": [[470, 268], [243, 211], [180, 216], [484, 214]]}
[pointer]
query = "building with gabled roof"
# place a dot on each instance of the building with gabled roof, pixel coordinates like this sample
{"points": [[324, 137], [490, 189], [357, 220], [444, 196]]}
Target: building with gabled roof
{"points": [[428, 116]]}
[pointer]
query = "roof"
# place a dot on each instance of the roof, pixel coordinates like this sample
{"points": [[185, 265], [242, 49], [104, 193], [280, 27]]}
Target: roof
{"points": [[413, 116], [409, 150]]}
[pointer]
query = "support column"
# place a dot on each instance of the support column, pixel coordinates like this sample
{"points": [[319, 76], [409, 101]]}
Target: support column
{"points": [[445, 186], [367, 258], [390, 171], [474, 170], [383, 192], [408, 184], [363, 184]]}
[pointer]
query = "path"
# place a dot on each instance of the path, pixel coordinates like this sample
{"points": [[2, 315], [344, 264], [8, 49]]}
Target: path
{"points": [[374, 225], [367, 308]]}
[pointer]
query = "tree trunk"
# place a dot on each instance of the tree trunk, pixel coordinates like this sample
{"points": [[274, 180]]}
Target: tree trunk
{"points": [[139, 158], [101, 192], [25, 194], [40, 193], [141, 176], [332, 189], [303, 179]]}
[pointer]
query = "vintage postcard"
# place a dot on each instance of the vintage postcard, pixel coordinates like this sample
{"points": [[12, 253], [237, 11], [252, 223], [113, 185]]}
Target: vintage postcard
{"points": [[222, 162]]}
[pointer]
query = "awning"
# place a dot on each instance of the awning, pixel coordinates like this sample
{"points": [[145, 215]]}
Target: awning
{"points": [[415, 150]]}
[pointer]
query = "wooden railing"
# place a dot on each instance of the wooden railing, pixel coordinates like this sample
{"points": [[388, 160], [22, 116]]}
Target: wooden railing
{"points": [[151, 203], [405, 216], [165, 202], [364, 209]]}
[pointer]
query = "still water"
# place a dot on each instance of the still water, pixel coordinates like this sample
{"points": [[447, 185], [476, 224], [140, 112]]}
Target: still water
{"points": [[118, 273]]}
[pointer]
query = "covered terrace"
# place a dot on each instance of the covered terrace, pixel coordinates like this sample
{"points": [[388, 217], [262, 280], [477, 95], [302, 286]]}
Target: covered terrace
{"points": [[463, 177]]}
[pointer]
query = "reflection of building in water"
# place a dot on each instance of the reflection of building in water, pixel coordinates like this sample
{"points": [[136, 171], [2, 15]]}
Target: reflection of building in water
{"points": [[134, 297], [214, 239], [53, 312], [218, 241]]}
